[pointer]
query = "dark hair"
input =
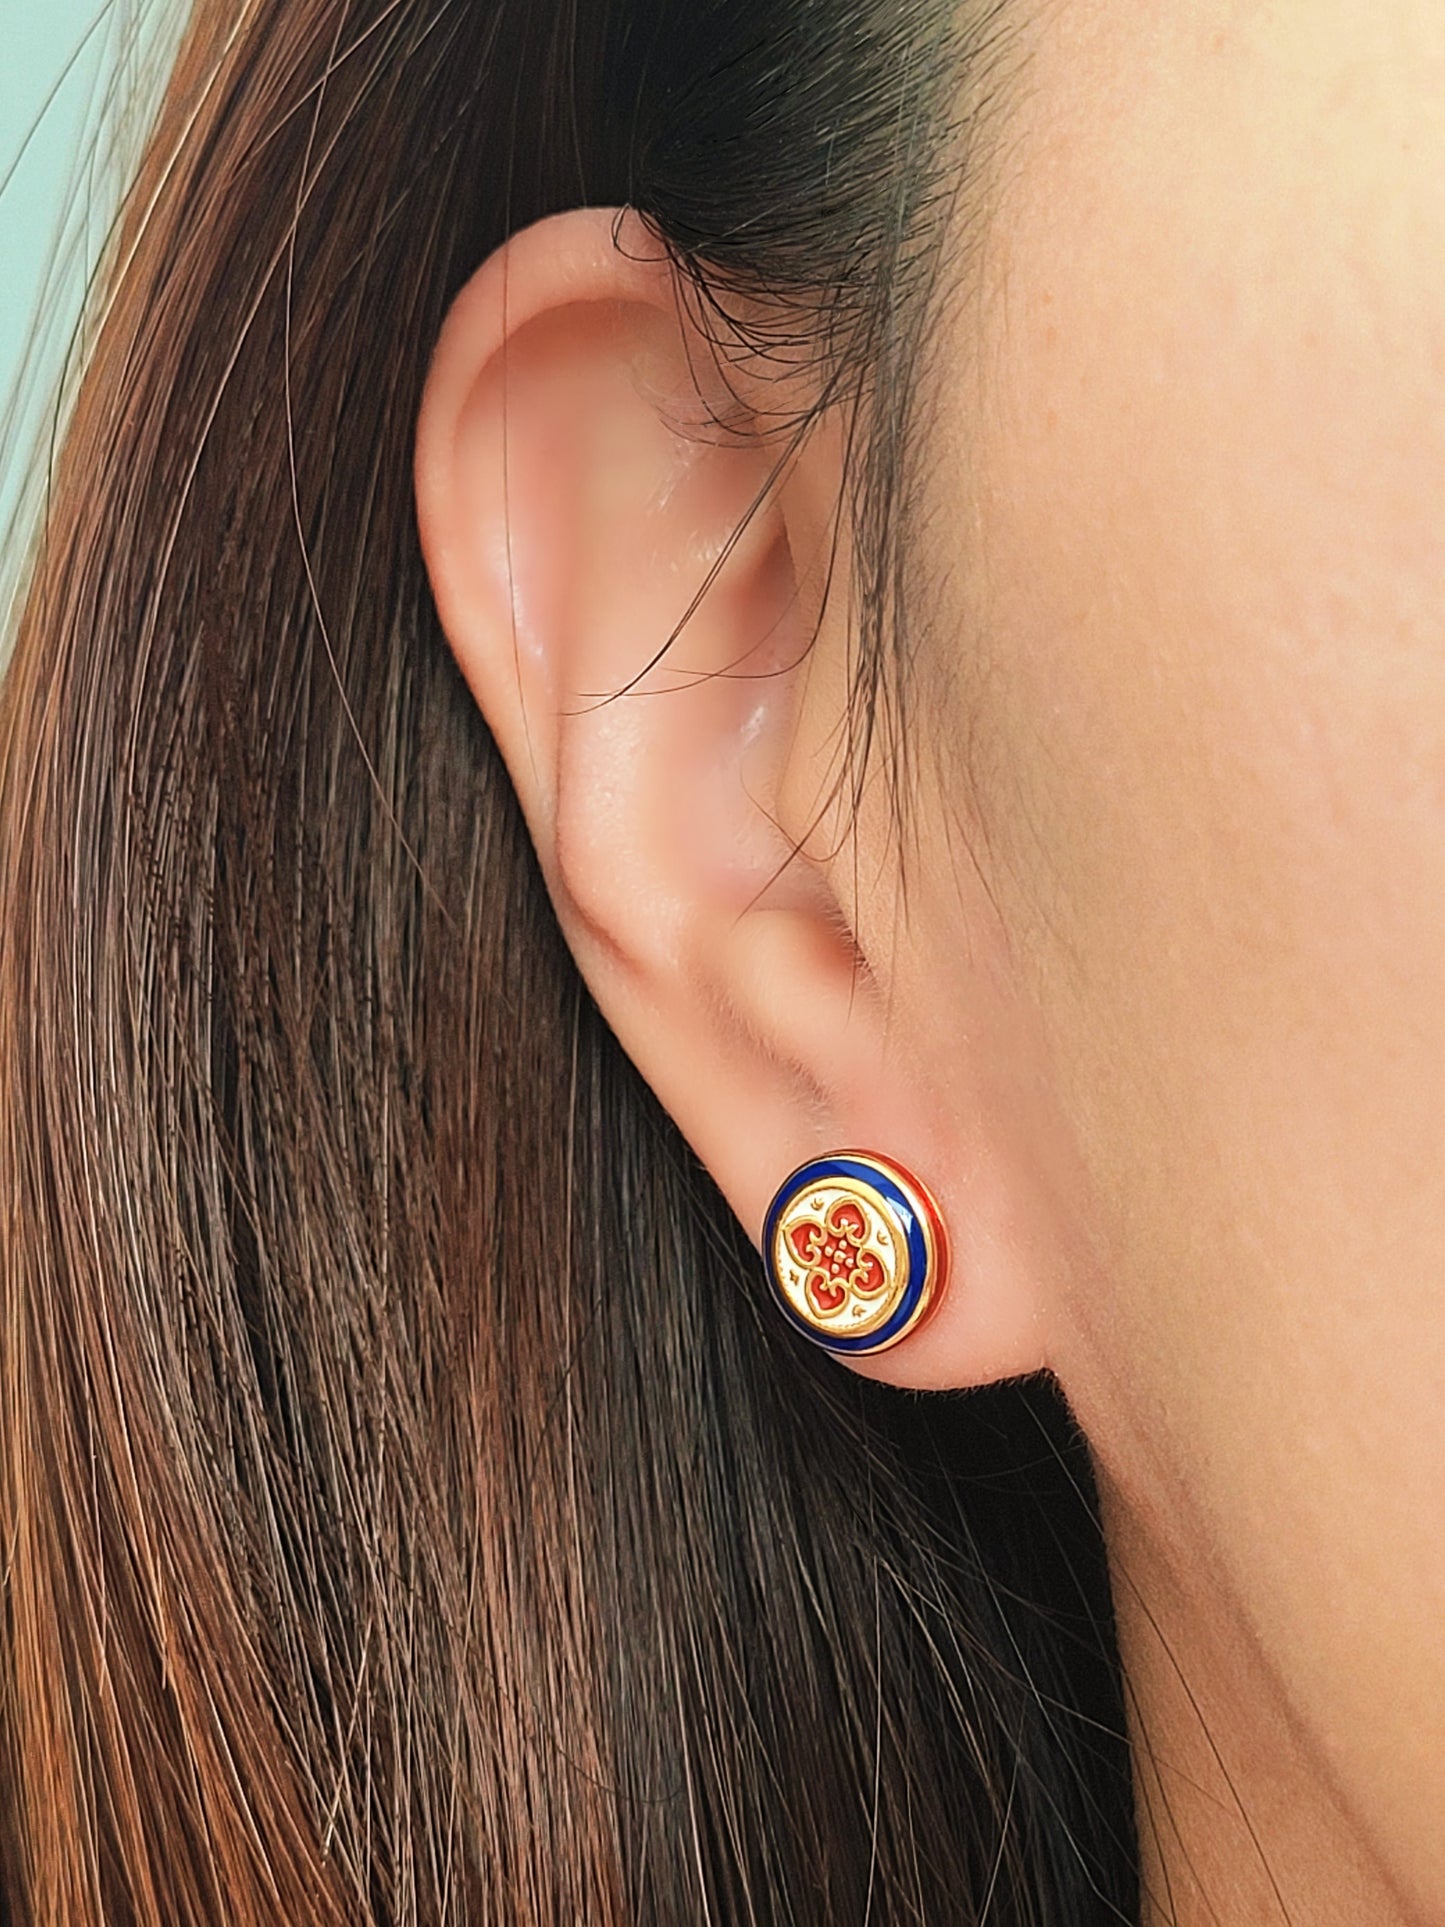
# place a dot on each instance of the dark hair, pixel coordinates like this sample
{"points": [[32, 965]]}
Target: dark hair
{"points": [[409, 1513]]}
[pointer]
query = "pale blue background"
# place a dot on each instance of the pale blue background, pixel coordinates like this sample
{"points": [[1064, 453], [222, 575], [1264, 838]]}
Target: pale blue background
{"points": [[86, 69], [37, 36]]}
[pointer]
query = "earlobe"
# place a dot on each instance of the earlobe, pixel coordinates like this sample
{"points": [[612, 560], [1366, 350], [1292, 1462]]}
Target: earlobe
{"points": [[636, 597]]}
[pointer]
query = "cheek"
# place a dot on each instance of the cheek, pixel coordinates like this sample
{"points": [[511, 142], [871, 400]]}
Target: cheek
{"points": [[1206, 457]]}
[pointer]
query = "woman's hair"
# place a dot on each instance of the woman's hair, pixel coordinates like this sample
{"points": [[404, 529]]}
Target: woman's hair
{"points": [[410, 1513]]}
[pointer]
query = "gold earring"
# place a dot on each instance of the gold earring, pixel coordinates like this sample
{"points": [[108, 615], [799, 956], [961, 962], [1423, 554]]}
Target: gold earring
{"points": [[856, 1250]]}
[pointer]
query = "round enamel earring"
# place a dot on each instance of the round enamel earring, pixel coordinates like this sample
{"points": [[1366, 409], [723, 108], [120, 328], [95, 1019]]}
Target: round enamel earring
{"points": [[856, 1251]]}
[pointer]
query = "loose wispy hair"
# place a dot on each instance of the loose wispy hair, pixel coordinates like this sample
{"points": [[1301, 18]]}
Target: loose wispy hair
{"points": [[410, 1515]]}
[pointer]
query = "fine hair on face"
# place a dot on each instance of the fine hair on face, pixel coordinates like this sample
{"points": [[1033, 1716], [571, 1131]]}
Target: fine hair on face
{"points": [[410, 1512]]}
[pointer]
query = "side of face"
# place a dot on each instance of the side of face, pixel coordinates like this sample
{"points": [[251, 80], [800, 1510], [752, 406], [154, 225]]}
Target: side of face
{"points": [[1160, 1016], [1187, 509]]}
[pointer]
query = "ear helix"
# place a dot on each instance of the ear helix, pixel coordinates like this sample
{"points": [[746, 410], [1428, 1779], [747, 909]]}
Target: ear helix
{"points": [[856, 1251]]}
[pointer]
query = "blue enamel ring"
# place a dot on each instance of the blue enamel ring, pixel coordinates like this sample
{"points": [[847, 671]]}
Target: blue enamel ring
{"points": [[856, 1252]]}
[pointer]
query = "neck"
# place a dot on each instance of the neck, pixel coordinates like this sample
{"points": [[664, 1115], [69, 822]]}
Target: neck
{"points": [[1237, 1820]]}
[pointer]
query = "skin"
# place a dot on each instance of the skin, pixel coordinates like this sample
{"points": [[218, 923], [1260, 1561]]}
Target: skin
{"points": [[1160, 1015], [1196, 431]]}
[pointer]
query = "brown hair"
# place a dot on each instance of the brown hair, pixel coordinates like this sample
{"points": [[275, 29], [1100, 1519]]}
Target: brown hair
{"points": [[408, 1513]]}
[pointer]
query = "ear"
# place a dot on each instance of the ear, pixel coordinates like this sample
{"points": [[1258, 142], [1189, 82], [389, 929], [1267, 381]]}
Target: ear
{"points": [[637, 598]]}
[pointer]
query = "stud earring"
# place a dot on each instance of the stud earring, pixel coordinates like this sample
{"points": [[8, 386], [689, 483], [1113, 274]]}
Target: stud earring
{"points": [[856, 1251]]}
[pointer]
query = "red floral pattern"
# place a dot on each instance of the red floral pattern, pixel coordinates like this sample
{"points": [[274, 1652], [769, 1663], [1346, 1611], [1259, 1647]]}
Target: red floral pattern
{"points": [[838, 1266]]}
